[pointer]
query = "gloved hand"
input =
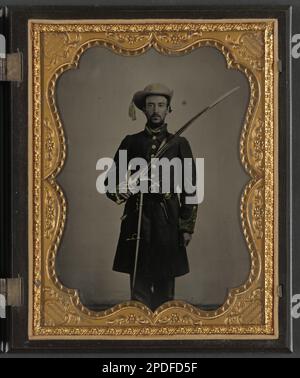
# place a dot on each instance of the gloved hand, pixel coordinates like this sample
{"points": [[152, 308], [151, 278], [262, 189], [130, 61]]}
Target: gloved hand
{"points": [[124, 196], [186, 238]]}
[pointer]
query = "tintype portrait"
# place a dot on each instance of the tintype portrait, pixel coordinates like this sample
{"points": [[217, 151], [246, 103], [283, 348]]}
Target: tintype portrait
{"points": [[154, 169], [170, 225]]}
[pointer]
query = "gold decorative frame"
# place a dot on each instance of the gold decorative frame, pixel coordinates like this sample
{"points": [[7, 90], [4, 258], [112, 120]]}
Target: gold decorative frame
{"points": [[250, 311]]}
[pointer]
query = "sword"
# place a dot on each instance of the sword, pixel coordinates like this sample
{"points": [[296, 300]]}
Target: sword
{"points": [[163, 148]]}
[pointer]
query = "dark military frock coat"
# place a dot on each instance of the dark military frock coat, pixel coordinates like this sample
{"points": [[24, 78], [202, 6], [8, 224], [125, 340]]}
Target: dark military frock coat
{"points": [[162, 253]]}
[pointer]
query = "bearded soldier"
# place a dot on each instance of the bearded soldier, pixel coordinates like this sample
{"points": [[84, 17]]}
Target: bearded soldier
{"points": [[167, 221]]}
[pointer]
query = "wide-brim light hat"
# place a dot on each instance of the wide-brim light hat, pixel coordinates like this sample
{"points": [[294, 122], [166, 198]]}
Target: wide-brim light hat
{"points": [[151, 90]]}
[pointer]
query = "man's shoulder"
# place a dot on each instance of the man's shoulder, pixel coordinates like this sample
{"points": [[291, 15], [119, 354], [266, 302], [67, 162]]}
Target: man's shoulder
{"points": [[181, 140], [178, 139], [132, 137], [184, 146]]}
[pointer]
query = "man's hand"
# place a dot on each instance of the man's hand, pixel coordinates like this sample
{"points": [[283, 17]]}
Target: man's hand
{"points": [[125, 196], [186, 238]]}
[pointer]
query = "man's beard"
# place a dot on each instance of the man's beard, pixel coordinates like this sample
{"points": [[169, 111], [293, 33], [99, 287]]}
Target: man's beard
{"points": [[155, 125]]}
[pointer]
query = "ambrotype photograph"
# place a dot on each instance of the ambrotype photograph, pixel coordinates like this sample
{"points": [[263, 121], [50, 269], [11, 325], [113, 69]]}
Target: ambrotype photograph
{"points": [[155, 203]]}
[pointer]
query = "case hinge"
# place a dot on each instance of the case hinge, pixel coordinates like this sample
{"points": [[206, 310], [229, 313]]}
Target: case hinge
{"points": [[10, 64], [10, 294], [11, 67]]}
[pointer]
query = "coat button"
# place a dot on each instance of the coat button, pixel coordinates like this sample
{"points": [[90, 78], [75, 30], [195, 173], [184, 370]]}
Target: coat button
{"points": [[153, 147], [154, 137]]}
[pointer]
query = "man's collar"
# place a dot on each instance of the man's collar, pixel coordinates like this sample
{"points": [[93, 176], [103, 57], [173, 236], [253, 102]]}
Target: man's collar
{"points": [[162, 130]]}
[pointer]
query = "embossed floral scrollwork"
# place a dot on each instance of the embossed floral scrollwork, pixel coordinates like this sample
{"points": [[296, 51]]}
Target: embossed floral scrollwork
{"points": [[57, 310], [250, 46], [50, 146], [179, 319], [59, 46], [128, 39], [247, 310], [50, 213], [179, 38], [130, 319], [258, 213], [256, 140]]}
